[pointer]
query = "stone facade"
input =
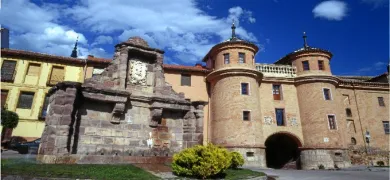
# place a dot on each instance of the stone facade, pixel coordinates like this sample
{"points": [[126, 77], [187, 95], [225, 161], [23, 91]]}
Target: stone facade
{"points": [[137, 110], [128, 114]]}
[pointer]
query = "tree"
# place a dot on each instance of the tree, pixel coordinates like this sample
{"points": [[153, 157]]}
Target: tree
{"points": [[9, 121]]}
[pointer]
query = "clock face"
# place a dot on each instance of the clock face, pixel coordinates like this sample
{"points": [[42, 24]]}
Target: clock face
{"points": [[138, 72]]}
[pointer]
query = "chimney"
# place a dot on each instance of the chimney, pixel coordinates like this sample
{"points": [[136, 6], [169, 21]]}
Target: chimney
{"points": [[198, 65], [90, 56], [4, 38]]}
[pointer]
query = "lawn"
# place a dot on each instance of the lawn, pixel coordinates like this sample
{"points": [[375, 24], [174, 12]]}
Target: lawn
{"points": [[30, 168], [242, 174]]}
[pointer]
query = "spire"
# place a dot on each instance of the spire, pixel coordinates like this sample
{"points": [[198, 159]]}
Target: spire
{"points": [[304, 40], [74, 52], [233, 30]]}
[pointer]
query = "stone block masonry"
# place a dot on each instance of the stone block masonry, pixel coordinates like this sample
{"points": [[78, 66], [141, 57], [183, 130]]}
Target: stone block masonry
{"points": [[128, 114]]}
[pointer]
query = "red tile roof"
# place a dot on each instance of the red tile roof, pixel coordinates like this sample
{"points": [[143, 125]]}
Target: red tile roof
{"points": [[50, 57], [196, 68]]}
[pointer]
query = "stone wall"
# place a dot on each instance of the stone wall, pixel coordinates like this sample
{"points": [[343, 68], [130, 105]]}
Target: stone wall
{"points": [[329, 159], [128, 114]]}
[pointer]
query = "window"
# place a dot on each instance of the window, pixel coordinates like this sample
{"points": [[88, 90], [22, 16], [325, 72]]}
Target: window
{"points": [[33, 69], [320, 65], [279, 117], [4, 95], [276, 91], [353, 141], [241, 57], [44, 107], [97, 71], [381, 101], [305, 65], [351, 126], [327, 95], [250, 154], [25, 100], [57, 75], [332, 122], [348, 112], [246, 115], [8, 71], [244, 89], [185, 80], [226, 58], [346, 99], [386, 127]]}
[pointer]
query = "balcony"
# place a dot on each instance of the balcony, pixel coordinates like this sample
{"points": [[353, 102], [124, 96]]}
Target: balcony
{"points": [[273, 70]]}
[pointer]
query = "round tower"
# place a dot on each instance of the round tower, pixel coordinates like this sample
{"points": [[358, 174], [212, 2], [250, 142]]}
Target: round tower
{"points": [[235, 121], [321, 110]]}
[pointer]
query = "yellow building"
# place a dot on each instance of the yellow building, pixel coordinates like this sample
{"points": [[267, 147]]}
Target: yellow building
{"points": [[27, 76]]}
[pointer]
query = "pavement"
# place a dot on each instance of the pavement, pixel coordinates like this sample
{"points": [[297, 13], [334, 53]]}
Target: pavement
{"points": [[7, 154], [355, 173]]}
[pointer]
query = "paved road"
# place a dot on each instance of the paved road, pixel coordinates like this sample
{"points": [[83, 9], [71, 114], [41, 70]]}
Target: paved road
{"points": [[379, 174], [14, 154]]}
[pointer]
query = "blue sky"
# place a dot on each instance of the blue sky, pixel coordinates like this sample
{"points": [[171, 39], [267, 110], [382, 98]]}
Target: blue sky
{"points": [[355, 31]]}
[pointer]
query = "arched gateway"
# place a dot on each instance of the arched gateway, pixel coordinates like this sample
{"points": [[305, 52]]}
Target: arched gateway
{"points": [[281, 149]]}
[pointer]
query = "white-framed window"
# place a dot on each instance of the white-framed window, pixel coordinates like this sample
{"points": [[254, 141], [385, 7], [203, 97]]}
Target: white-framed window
{"points": [[241, 57], [332, 124], [327, 94], [244, 88], [226, 58], [246, 115]]}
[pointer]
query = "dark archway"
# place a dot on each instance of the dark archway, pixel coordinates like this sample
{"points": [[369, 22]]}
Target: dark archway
{"points": [[281, 149]]}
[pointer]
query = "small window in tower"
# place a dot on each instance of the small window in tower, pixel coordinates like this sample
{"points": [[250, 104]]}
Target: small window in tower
{"points": [[226, 58], [246, 115], [381, 101], [332, 122], [276, 91], [244, 89], [353, 141], [241, 57], [348, 112], [386, 127], [320, 65], [279, 117], [305, 65], [327, 94]]}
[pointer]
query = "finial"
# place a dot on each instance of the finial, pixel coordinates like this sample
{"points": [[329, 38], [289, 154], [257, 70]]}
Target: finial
{"points": [[74, 52], [304, 40], [233, 30]]}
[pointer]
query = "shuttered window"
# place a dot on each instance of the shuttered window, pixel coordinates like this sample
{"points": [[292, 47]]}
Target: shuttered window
{"points": [[57, 75], [332, 122], [241, 57], [276, 91], [4, 95], [8, 71], [25, 100], [185, 80], [305, 65], [33, 69]]}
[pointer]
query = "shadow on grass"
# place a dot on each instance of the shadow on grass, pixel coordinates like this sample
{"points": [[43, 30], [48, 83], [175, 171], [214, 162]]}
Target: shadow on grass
{"points": [[30, 168]]}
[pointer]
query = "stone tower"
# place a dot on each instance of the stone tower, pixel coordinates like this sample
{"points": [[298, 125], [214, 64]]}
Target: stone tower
{"points": [[233, 88], [321, 116]]}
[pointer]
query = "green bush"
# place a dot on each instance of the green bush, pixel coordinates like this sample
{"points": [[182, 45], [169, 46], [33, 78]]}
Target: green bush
{"points": [[237, 160], [321, 166], [201, 161], [380, 163], [9, 119]]}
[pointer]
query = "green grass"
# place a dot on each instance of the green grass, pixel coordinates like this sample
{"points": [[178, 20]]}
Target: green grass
{"points": [[242, 174], [30, 168]]}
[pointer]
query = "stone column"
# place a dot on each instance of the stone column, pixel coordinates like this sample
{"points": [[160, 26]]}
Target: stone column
{"points": [[57, 135]]}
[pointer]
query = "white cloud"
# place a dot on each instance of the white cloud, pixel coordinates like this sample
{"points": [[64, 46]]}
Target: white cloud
{"points": [[179, 27], [102, 40], [331, 10], [374, 67], [377, 3]]}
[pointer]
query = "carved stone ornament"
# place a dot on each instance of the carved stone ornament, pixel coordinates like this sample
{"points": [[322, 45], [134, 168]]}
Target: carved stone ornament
{"points": [[293, 121], [138, 72], [267, 120]]}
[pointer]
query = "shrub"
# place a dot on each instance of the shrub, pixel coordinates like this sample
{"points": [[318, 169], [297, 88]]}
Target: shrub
{"points": [[321, 166], [380, 163], [9, 119], [201, 161], [237, 160]]}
